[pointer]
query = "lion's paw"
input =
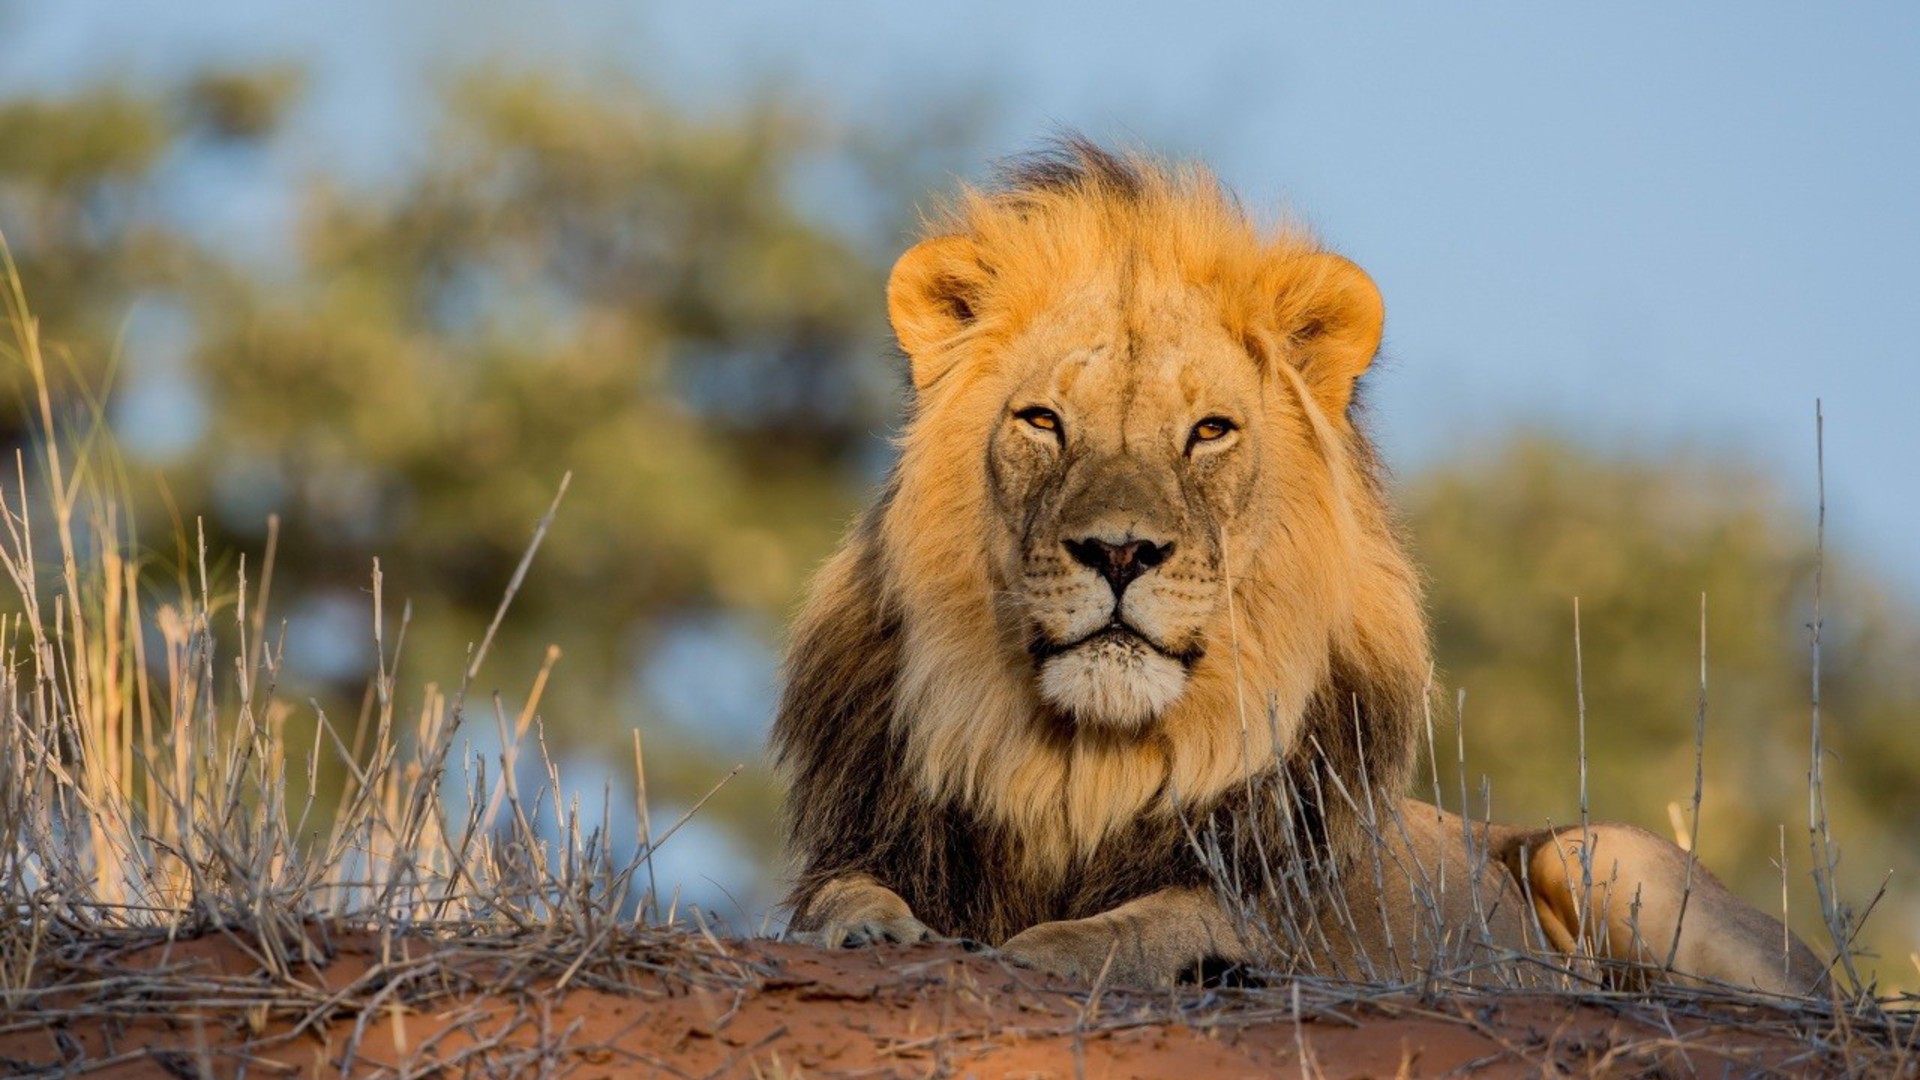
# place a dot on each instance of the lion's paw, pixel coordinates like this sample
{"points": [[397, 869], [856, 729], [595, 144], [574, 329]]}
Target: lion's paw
{"points": [[861, 932], [1077, 949]]}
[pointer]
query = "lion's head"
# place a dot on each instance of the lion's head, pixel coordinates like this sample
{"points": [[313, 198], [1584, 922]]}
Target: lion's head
{"points": [[1156, 397], [1133, 546]]}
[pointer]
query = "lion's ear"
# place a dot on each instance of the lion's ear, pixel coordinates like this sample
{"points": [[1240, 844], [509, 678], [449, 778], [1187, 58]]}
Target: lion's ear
{"points": [[1331, 318], [931, 298]]}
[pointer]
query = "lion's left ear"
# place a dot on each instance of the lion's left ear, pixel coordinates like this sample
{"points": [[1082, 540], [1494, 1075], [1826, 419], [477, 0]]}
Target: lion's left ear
{"points": [[1331, 316]]}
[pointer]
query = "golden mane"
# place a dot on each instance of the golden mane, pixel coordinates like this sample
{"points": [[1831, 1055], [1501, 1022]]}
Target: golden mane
{"points": [[900, 666]]}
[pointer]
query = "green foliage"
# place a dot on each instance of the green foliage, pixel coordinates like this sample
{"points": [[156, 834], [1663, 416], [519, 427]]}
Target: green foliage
{"points": [[246, 104], [73, 146], [75, 174], [568, 283]]}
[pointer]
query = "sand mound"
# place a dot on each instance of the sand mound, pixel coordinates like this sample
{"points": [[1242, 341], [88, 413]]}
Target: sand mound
{"points": [[315, 1001]]}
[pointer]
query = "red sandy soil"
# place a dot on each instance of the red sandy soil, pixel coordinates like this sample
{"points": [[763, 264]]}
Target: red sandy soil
{"points": [[685, 1005]]}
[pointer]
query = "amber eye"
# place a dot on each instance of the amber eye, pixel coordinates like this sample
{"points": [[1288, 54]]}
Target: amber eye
{"points": [[1210, 429], [1044, 419]]}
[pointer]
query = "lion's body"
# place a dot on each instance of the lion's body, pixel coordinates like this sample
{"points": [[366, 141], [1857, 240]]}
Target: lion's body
{"points": [[1131, 622]]}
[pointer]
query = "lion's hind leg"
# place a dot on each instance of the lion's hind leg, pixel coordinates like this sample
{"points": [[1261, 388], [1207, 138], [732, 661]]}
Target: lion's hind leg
{"points": [[1624, 896], [856, 910]]}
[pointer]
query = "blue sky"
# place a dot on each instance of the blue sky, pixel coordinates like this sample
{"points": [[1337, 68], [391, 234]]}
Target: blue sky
{"points": [[1655, 226]]}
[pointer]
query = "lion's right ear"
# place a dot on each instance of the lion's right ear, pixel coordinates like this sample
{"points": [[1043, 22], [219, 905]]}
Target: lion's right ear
{"points": [[931, 299]]}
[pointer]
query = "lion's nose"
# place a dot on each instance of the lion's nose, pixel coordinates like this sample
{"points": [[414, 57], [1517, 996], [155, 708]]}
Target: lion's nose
{"points": [[1118, 563]]}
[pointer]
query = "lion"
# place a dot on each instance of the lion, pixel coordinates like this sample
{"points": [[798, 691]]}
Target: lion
{"points": [[1129, 645]]}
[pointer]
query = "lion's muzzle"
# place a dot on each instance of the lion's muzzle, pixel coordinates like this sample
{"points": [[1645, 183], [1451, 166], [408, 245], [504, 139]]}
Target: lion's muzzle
{"points": [[1115, 594]]}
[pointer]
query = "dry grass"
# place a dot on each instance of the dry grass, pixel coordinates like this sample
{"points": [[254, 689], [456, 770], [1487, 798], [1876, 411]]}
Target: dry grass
{"points": [[154, 797], [145, 798]]}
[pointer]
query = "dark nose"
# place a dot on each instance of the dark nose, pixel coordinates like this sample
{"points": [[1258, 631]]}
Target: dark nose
{"points": [[1119, 563]]}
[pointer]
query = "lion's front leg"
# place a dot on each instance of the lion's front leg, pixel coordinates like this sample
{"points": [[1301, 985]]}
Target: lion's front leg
{"points": [[1151, 941], [1616, 892], [856, 910]]}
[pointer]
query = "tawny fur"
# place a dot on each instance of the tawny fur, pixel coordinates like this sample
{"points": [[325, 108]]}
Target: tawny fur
{"points": [[968, 755]]}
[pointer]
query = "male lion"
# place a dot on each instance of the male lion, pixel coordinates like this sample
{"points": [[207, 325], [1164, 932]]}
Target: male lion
{"points": [[1129, 647]]}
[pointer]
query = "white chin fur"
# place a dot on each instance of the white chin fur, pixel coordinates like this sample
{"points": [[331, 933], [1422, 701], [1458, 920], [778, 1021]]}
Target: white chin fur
{"points": [[1117, 684]]}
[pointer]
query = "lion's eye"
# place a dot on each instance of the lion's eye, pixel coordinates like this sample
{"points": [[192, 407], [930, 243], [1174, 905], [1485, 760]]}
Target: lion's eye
{"points": [[1210, 429], [1044, 419]]}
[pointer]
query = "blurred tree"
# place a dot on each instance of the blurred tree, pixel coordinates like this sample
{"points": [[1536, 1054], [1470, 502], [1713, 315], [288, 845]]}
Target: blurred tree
{"points": [[571, 279], [1512, 537], [74, 176], [569, 282]]}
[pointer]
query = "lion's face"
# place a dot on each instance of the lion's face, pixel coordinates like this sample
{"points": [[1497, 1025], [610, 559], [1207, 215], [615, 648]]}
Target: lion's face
{"points": [[1124, 457]]}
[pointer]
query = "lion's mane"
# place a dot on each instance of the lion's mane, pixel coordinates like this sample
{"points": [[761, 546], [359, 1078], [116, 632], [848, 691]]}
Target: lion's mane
{"points": [[909, 734]]}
